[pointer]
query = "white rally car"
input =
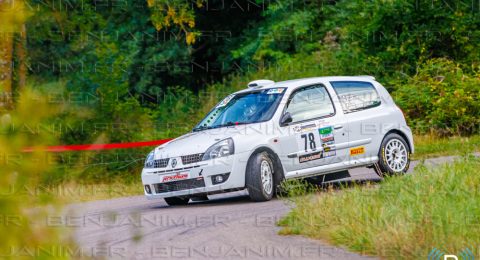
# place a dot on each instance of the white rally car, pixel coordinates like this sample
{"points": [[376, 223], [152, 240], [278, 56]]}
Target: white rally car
{"points": [[259, 136]]}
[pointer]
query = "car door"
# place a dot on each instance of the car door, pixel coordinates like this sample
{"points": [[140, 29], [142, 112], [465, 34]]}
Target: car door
{"points": [[365, 115], [317, 134]]}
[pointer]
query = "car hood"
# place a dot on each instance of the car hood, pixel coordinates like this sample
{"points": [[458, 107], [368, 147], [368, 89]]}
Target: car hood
{"points": [[196, 142]]}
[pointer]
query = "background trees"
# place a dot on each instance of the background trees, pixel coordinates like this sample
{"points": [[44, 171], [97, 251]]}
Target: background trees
{"points": [[12, 49], [141, 70]]}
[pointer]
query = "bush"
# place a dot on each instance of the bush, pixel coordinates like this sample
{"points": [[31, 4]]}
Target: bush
{"points": [[441, 98]]}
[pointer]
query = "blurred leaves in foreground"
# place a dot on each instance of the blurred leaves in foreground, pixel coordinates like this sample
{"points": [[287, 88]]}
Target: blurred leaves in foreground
{"points": [[25, 210]]}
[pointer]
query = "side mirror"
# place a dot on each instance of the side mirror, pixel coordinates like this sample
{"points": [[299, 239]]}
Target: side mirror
{"points": [[286, 119]]}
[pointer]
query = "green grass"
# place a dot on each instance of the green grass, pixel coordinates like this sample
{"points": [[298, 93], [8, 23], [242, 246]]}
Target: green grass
{"points": [[427, 146], [402, 217]]}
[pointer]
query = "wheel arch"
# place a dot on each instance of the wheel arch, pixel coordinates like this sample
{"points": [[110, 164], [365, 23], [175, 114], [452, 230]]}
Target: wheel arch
{"points": [[403, 135], [278, 162], [381, 170]]}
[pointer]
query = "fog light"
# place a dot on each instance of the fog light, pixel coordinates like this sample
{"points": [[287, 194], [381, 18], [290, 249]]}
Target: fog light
{"points": [[220, 178], [147, 189]]}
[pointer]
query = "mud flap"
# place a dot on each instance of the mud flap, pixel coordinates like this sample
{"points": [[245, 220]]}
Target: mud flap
{"points": [[378, 171]]}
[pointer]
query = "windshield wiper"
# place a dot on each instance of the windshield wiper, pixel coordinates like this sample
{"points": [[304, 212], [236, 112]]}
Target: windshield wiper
{"points": [[230, 123], [200, 128]]}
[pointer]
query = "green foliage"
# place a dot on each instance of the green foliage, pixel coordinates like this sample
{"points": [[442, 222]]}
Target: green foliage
{"points": [[441, 98], [401, 217], [179, 13], [289, 27], [152, 69], [400, 33]]}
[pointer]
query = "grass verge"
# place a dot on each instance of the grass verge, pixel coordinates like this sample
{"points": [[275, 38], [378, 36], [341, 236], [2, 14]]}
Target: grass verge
{"points": [[403, 217], [428, 146]]}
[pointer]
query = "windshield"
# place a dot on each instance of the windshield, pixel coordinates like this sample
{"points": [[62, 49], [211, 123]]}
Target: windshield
{"points": [[243, 108]]}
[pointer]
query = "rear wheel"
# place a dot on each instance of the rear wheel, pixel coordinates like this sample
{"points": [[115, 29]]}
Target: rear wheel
{"points": [[394, 156], [259, 177], [176, 201]]}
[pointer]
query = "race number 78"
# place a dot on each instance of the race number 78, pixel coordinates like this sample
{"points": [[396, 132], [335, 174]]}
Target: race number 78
{"points": [[309, 140]]}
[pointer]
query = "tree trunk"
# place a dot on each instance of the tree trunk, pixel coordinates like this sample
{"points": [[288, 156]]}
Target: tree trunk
{"points": [[21, 52], [6, 55]]}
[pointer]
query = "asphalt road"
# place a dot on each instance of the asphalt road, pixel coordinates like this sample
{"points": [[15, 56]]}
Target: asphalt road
{"points": [[228, 226]]}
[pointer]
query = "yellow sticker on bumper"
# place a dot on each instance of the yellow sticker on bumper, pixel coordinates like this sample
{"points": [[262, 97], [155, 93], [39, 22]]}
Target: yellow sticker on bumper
{"points": [[357, 150]]}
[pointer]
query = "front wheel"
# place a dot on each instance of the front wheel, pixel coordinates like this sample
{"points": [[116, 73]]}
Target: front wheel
{"points": [[176, 201], [394, 156], [259, 177]]}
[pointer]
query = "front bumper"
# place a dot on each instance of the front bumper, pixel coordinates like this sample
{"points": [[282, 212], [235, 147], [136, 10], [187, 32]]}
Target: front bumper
{"points": [[194, 179]]}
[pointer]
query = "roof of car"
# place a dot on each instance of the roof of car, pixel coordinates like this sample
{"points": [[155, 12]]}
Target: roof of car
{"points": [[313, 80]]}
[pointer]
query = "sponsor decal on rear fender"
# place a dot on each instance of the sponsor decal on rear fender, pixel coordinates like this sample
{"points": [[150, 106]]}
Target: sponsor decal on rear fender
{"points": [[357, 150]]}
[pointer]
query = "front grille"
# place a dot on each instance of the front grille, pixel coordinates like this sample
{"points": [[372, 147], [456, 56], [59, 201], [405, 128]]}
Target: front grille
{"points": [[192, 158], [179, 185], [160, 163]]}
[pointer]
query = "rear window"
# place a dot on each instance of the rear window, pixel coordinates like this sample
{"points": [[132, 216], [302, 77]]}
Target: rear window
{"points": [[356, 96]]}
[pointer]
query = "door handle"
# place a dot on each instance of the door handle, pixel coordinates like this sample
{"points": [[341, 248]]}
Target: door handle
{"points": [[338, 127]]}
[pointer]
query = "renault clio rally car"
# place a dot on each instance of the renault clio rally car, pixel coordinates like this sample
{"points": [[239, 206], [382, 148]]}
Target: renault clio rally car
{"points": [[258, 137]]}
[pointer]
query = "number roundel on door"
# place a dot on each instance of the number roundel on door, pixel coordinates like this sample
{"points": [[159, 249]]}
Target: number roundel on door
{"points": [[308, 141]]}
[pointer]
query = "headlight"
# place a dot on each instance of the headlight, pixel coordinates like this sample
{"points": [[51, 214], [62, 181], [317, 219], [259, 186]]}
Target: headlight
{"points": [[149, 162], [220, 149]]}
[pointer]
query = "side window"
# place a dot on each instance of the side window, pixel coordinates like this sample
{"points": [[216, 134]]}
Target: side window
{"points": [[309, 103], [356, 96]]}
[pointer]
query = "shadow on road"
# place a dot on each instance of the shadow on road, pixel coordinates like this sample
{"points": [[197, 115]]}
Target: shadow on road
{"points": [[241, 197], [234, 199]]}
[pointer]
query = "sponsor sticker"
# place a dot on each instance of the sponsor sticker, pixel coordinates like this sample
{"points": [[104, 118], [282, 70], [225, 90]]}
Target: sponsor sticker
{"points": [[307, 128], [357, 150], [325, 130], [297, 129], [326, 148], [329, 154], [275, 91], [175, 177], [331, 143], [310, 157], [225, 101], [326, 134], [327, 139]]}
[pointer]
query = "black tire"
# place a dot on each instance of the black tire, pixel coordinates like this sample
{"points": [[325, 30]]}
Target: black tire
{"points": [[383, 167], [177, 201], [253, 178]]}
